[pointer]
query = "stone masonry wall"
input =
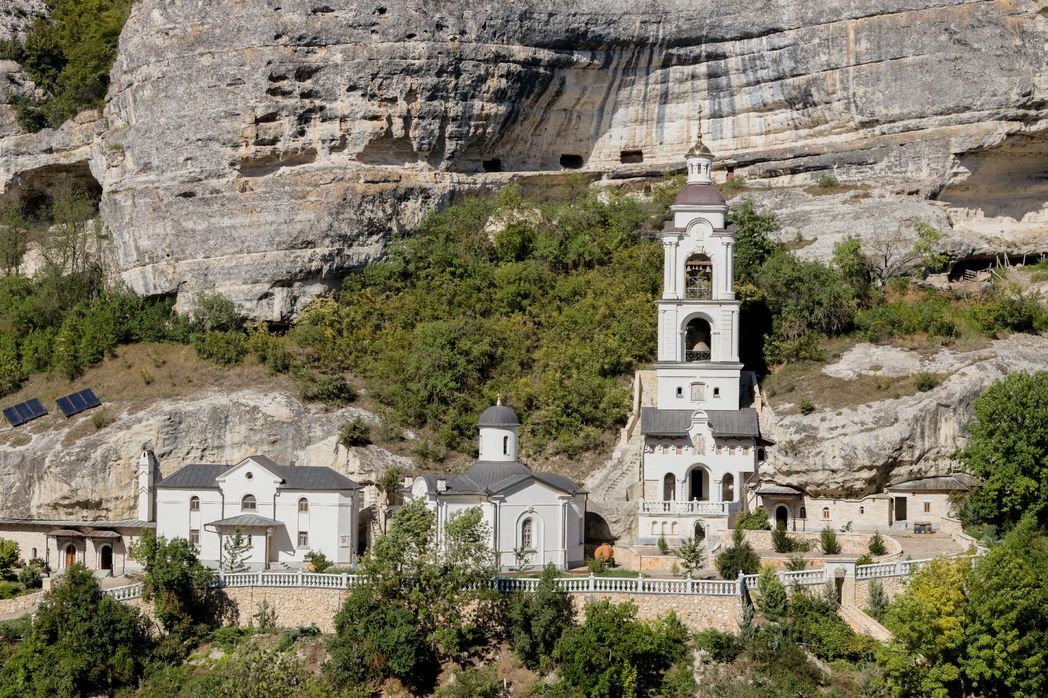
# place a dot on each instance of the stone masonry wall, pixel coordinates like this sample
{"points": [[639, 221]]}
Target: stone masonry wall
{"points": [[696, 612], [893, 586], [293, 606]]}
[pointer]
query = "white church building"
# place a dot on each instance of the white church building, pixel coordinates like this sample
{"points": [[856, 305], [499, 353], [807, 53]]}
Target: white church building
{"points": [[702, 444], [534, 518], [284, 511]]}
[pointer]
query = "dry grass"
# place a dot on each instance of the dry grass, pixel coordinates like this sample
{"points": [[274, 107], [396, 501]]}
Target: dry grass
{"points": [[805, 381], [819, 190]]}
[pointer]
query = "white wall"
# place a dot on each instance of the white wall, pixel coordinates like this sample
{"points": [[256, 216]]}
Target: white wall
{"points": [[725, 379], [679, 456]]}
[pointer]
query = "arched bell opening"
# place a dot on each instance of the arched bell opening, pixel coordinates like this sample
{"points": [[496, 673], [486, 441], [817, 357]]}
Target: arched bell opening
{"points": [[697, 336], [698, 278]]}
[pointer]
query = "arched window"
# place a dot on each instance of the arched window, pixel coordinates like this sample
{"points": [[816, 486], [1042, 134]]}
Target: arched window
{"points": [[862, 510], [654, 528], [669, 488], [673, 528], [825, 512], [527, 534], [194, 503], [728, 488], [697, 340], [698, 272], [761, 456], [505, 445], [716, 392], [248, 503], [700, 531], [303, 505], [804, 513]]}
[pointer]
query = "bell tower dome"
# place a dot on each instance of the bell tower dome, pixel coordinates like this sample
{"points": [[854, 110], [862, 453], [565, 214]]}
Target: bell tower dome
{"points": [[498, 433]]}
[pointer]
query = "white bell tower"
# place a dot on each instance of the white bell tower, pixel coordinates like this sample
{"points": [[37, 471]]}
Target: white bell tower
{"points": [[147, 469], [698, 354]]}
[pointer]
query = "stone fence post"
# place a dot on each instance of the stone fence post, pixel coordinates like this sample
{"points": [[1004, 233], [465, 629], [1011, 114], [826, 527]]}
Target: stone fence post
{"points": [[841, 573]]}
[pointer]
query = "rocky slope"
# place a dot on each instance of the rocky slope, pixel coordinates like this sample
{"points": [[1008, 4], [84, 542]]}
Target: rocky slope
{"points": [[265, 148], [51, 468], [857, 451]]}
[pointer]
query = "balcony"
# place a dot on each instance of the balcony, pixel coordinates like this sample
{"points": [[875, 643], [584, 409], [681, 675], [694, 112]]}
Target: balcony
{"points": [[694, 508], [691, 355], [699, 291]]}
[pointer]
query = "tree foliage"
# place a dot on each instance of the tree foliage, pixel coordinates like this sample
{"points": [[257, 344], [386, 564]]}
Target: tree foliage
{"points": [[738, 557], [81, 642], [1008, 448], [236, 549], [176, 582], [536, 621]]}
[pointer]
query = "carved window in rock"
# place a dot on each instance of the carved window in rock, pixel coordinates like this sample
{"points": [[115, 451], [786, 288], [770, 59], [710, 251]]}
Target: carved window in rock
{"points": [[862, 510], [248, 503], [527, 534], [698, 275], [698, 392], [194, 503], [825, 512]]}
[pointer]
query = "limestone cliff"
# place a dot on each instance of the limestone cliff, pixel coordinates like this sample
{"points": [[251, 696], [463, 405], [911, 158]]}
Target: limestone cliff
{"points": [[53, 469], [265, 148]]}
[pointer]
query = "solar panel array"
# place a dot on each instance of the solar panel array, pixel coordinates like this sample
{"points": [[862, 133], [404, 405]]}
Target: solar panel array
{"points": [[77, 402], [24, 412]]}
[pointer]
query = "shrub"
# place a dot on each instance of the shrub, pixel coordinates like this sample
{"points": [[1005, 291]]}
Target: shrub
{"points": [[828, 542], [814, 623], [222, 348], [827, 182], [597, 565], [318, 560], [270, 350], [878, 600], [9, 554], [771, 594], [1009, 309], [692, 556], [101, 419], [864, 559], [720, 646], [30, 576], [796, 563], [756, 520], [213, 312], [927, 381], [664, 547], [877, 546], [475, 682], [535, 622], [738, 557], [355, 432], [328, 388], [806, 406], [780, 541]]}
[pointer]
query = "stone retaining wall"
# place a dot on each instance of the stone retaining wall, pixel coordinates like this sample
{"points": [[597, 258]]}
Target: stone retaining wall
{"points": [[696, 612], [26, 602], [293, 606], [893, 586]]}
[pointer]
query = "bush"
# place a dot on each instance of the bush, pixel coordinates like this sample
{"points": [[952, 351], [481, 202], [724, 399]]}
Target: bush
{"points": [[756, 520], [738, 557], [814, 623], [864, 559], [222, 348], [535, 622], [213, 312], [827, 182], [721, 647], [828, 542], [771, 594], [692, 555], [664, 547], [597, 565], [806, 406], [1009, 310], [780, 541], [877, 546], [878, 601], [328, 388], [476, 682], [9, 555], [30, 576], [355, 432], [318, 560], [927, 381], [796, 563]]}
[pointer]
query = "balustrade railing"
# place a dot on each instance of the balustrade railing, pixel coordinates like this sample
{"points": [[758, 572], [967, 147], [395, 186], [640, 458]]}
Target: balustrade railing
{"points": [[690, 355], [685, 508]]}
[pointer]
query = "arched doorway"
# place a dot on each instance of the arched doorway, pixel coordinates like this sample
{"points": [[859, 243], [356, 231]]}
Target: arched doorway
{"points": [[700, 531], [782, 517], [698, 484], [669, 488], [728, 488], [70, 552], [698, 274], [105, 558]]}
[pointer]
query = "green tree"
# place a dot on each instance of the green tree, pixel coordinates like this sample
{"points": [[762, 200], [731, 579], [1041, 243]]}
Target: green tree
{"points": [[613, 654], [692, 555], [9, 555], [235, 551], [176, 582], [756, 520], [771, 594], [14, 238], [213, 312], [1008, 448], [853, 266], [738, 557], [253, 671], [81, 642], [878, 600], [753, 243], [536, 621], [927, 621], [1006, 626]]}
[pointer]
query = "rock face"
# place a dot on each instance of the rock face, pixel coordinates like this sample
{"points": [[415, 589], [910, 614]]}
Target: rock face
{"points": [[73, 470], [857, 451], [265, 149]]}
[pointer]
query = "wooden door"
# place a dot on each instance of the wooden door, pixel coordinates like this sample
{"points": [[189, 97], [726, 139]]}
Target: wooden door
{"points": [[70, 555]]}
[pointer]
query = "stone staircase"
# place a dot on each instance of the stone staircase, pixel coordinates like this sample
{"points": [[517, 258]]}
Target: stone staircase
{"points": [[858, 621]]}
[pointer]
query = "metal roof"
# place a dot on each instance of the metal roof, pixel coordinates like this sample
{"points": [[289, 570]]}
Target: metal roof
{"points": [[742, 423], [248, 521], [498, 416], [956, 482], [490, 477], [293, 477], [699, 195], [69, 523], [772, 488]]}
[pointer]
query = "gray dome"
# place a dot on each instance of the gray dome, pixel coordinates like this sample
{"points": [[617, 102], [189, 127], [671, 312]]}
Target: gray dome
{"points": [[698, 194], [499, 416]]}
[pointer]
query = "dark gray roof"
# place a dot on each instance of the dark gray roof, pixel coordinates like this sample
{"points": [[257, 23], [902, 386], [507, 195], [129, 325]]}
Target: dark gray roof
{"points": [[742, 423], [699, 195], [957, 482], [66, 523], [489, 477], [293, 477], [498, 416], [247, 521], [772, 488]]}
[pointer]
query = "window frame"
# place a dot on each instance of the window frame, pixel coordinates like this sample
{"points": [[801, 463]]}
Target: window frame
{"points": [[194, 503], [301, 501], [243, 502], [303, 539]]}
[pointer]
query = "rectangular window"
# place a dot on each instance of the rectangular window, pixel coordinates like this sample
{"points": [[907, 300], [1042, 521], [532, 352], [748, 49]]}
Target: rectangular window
{"points": [[194, 537], [194, 504], [303, 539], [344, 541], [927, 507]]}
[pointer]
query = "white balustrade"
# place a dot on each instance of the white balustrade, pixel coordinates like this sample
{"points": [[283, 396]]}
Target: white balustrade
{"points": [[694, 508]]}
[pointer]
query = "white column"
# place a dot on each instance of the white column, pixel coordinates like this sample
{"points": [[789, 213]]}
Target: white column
{"points": [[669, 258], [729, 269], [715, 490]]}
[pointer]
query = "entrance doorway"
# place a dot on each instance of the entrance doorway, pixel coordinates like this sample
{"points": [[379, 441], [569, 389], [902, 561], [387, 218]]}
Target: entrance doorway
{"points": [[900, 508], [698, 488], [782, 517], [70, 555], [105, 561]]}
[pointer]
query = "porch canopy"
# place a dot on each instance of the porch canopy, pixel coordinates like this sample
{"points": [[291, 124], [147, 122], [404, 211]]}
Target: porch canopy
{"points": [[247, 521]]}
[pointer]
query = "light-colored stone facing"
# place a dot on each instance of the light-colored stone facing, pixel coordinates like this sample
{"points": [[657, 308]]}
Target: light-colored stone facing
{"points": [[696, 612], [20, 603], [293, 606]]}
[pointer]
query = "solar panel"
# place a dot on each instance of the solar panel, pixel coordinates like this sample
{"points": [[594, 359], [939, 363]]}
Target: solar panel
{"points": [[77, 402], [24, 412]]}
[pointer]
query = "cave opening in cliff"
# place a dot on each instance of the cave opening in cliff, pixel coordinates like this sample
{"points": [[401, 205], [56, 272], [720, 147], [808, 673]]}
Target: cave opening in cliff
{"points": [[38, 192], [631, 157], [571, 162], [492, 165]]}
